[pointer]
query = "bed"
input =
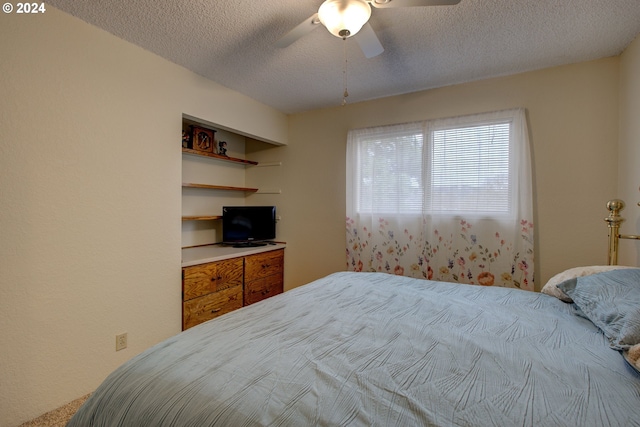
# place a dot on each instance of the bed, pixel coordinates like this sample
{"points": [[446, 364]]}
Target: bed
{"points": [[373, 349]]}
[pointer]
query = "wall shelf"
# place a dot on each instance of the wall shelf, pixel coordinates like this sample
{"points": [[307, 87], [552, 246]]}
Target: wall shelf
{"points": [[211, 180], [218, 187], [218, 156], [201, 218]]}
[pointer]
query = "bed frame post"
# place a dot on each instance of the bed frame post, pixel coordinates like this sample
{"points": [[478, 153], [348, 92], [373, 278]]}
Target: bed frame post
{"points": [[613, 222]]}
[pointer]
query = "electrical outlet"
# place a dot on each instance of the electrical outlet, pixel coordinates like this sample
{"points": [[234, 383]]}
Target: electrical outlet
{"points": [[121, 341]]}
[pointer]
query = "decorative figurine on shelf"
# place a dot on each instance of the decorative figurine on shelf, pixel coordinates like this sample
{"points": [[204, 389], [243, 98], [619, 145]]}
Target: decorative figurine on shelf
{"points": [[186, 139], [222, 148]]}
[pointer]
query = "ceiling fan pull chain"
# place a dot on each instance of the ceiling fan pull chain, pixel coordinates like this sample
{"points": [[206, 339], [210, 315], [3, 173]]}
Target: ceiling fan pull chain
{"points": [[344, 72]]}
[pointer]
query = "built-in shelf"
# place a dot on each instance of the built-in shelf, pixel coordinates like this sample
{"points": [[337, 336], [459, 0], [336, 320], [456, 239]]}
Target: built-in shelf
{"points": [[218, 156], [218, 187], [201, 218], [202, 201]]}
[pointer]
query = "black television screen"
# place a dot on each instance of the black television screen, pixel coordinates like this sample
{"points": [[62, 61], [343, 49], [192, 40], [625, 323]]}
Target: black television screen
{"points": [[248, 224]]}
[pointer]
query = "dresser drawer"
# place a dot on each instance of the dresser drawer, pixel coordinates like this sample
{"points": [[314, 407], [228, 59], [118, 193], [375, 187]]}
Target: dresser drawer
{"points": [[263, 265], [203, 279], [260, 289], [201, 309]]}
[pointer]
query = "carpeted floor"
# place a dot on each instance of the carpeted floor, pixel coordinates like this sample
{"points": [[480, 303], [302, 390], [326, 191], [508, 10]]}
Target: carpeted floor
{"points": [[58, 417]]}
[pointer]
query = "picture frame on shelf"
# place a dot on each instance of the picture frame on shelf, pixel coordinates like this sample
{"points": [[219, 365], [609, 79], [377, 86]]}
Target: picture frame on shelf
{"points": [[202, 139]]}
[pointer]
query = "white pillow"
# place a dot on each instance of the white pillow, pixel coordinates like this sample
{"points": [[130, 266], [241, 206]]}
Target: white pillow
{"points": [[551, 288]]}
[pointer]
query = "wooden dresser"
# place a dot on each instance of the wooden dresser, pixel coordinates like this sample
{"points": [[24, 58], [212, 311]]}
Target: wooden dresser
{"points": [[214, 288]]}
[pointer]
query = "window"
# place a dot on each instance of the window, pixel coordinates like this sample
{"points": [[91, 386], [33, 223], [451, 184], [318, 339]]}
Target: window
{"points": [[446, 166], [468, 170], [390, 172], [448, 199]]}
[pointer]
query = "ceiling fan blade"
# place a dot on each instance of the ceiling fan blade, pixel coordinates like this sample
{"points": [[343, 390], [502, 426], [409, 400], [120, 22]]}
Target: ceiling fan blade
{"points": [[368, 41], [299, 31], [383, 4]]}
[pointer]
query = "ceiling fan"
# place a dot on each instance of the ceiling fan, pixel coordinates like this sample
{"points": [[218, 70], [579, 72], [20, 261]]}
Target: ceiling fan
{"points": [[346, 18]]}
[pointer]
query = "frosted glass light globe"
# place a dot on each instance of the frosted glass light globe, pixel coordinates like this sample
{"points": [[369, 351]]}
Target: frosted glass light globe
{"points": [[344, 18]]}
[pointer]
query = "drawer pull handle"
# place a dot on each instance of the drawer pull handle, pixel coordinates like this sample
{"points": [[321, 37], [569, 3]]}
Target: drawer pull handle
{"points": [[215, 310], [213, 279], [265, 265]]}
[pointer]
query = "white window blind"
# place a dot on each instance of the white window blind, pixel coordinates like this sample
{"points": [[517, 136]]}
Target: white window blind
{"points": [[469, 170], [390, 172], [439, 167]]}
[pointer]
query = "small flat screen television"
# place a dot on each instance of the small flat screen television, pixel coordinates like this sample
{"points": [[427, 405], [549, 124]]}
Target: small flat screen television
{"points": [[248, 225]]}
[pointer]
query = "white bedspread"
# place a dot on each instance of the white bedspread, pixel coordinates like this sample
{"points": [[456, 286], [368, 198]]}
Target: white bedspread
{"points": [[373, 349]]}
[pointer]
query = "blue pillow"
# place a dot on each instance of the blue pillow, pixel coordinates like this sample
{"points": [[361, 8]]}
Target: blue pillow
{"points": [[611, 300]]}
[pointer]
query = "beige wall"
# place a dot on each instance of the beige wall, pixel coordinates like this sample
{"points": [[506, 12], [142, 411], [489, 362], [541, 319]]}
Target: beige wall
{"points": [[629, 155], [90, 173], [573, 123]]}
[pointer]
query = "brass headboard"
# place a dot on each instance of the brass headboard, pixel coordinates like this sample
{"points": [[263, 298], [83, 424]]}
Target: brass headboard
{"points": [[613, 222]]}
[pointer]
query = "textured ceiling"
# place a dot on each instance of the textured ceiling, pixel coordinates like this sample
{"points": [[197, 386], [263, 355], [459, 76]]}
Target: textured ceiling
{"points": [[233, 42]]}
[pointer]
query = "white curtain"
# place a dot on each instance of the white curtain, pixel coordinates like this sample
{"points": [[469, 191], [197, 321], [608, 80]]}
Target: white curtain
{"points": [[402, 220]]}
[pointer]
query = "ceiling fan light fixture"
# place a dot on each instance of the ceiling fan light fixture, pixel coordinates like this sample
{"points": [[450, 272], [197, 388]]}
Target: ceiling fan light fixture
{"points": [[344, 18]]}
